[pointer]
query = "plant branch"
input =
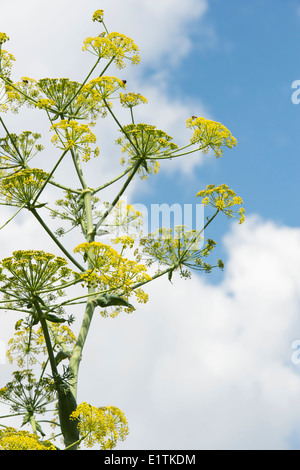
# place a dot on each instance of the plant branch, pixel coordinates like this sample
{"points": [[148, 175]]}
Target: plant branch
{"points": [[68, 255]]}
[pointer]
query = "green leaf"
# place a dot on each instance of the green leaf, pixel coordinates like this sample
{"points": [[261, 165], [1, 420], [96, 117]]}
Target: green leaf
{"points": [[53, 318], [61, 355], [108, 300], [26, 419], [38, 427]]}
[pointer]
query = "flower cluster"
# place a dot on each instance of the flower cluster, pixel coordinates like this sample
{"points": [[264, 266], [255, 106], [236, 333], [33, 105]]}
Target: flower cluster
{"points": [[72, 208], [223, 199], [6, 60], [110, 271], [27, 346], [129, 100], [3, 99], [123, 219], [104, 426], [27, 396], [98, 16], [45, 103], [113, 46], [178, 249], [58, 96], [72, 135], [210, 134], [17, 150], [21, 188], [26, 274], [22, 92], [97, 91], [11, 439], [142, 143], [3, 38]]}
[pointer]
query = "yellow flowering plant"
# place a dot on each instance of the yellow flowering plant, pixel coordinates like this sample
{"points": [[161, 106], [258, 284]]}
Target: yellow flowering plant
{"points": [[111, 277]]}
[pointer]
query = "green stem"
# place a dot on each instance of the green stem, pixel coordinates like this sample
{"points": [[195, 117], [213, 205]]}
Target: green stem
{"points": [[48, 177], [77, 442], [78, 168], [121, 192], [131, 113], [82, 85], [47, 339], [168, 156], [210, 220], [23, 205], [9, 416], [8, 82], [120, 126], [11, 139], [157, 275], [113, 180], [77, 351], [65, 188], [33, 424], [68, 255], [66, 400]]}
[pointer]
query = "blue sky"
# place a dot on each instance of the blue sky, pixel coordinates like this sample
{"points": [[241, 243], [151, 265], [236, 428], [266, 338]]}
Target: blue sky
{"points": [[206, 363], [243, 61]]}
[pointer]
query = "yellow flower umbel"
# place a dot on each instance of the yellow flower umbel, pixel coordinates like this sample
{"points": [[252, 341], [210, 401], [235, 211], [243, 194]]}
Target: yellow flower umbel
{"points": [[66, 98], [21, 188], [56, 93], [98, 16], [223, 199], [179, 249], [113, 46], [129, 100], [11, 439], [97, 91], [210, 134], [18, 150], [71, 135], [60, 97], [27, 346], [24, 91], [6, 60], [26, 274], [104, 426], [28, 396], [3, 38], [111, 272], [143, 143]]}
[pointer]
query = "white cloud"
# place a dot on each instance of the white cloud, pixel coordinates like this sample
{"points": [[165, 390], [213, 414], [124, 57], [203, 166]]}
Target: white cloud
{"points": [[49, 41], [51, 35], [204, 366], [200, 366]]}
